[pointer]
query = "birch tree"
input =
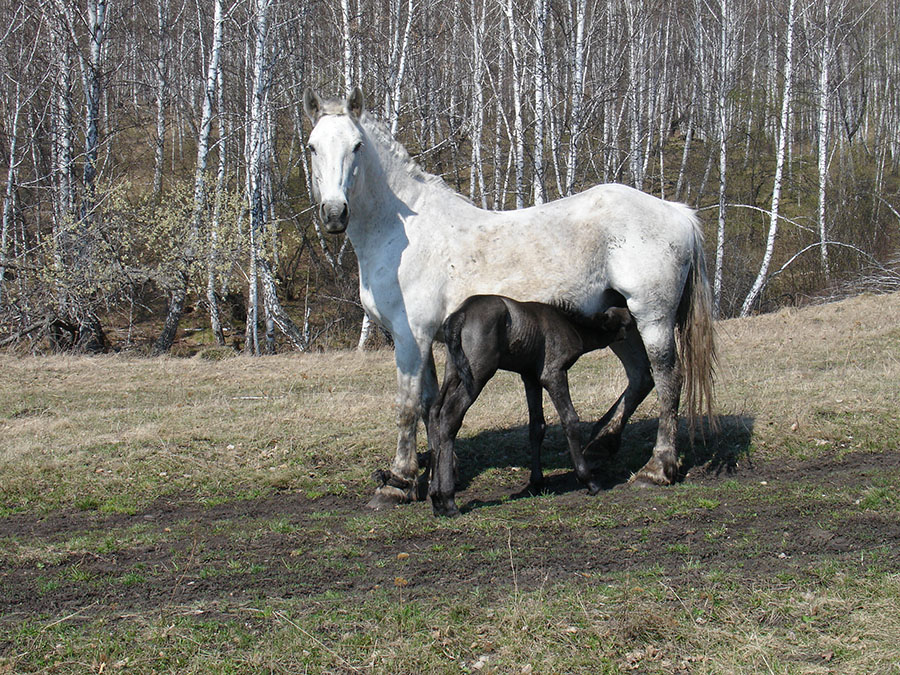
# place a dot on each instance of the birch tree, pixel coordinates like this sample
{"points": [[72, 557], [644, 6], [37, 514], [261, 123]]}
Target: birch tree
{"points": [[782, 141], [476, 167], [725, 26], [162, 91], [823, 100], [213, 258], [10, 192], [577, 124], [540, 74], [258, 154], [81, 256], [182, 281], [518, 115]]}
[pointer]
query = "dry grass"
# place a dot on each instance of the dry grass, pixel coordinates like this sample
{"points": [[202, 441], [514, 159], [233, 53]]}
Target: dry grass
{"points": [[808, 381], [821, 377]]}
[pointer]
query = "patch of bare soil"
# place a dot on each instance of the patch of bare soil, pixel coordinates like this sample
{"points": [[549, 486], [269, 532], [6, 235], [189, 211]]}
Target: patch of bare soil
{"points": [[224, 554]]}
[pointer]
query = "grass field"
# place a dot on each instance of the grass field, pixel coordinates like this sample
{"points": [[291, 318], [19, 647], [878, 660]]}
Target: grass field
{"points": [[207, 516]]}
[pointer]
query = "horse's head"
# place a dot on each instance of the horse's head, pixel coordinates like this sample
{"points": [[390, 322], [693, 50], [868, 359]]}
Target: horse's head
{"points": [[334, 147]]}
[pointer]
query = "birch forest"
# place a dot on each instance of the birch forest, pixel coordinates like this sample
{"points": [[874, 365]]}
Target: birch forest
{"points": [[156, 183]]}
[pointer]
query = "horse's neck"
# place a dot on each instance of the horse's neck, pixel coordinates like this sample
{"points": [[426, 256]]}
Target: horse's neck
{"points": [[395, 196]]}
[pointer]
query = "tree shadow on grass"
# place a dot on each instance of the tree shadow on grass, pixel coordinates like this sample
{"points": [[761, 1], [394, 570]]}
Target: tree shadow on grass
{"points": [[711, 453]]}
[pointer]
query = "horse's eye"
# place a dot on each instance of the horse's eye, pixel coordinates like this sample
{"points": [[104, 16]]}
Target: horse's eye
{"points": [[357, 147], [312, 149]]}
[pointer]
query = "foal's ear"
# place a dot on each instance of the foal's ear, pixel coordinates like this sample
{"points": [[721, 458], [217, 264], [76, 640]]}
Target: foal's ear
{"points": [[354, 103], [312, 105]]}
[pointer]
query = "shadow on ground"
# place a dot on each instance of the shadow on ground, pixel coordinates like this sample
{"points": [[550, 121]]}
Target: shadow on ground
{"points": [[711, 451]]}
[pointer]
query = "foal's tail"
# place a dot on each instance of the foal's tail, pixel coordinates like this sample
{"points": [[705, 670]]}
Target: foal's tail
{"points": [[696, 332], [452, 330]]}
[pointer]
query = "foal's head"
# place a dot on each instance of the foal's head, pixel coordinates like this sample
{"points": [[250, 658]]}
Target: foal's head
{"points": [[614, 323], [334, 147]]}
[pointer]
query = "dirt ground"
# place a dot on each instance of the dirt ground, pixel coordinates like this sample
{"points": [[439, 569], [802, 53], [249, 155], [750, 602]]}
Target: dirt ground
{"points": [[191, 557]]}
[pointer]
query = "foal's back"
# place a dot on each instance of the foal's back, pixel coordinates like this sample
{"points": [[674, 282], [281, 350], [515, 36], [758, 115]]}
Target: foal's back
{"points": [[540, 338], [530, 338]]}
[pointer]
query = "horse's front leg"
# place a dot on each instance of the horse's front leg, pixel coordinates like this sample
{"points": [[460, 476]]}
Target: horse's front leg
{"points": [[415, 377]]}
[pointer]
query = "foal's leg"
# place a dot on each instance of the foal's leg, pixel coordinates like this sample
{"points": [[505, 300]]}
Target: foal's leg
{"points": [[536, 428], [455, 401], [430, 415], [662, 468], [557, 385], [606, 435]]}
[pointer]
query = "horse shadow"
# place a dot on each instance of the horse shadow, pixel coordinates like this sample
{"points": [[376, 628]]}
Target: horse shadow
{"points": [[713, 452]]}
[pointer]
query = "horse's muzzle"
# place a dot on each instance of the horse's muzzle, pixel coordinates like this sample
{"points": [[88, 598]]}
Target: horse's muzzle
{"points": [[335, 215]]}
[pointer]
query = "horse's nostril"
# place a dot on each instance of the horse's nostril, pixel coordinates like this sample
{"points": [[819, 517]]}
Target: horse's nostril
{"points": [[345, 214]]}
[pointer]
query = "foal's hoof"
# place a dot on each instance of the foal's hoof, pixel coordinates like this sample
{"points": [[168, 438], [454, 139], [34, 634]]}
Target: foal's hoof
{"points": [[594, 488], [387, 496]]}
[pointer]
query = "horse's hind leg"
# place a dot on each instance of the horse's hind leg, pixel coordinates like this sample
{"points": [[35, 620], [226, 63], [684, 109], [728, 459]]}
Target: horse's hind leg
{"points": [[536, 428], [662, 468], [606, 435]]}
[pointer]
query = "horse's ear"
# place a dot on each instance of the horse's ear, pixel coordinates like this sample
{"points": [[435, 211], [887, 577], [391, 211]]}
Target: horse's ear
{"points": [[355, 105], [312, 105]]}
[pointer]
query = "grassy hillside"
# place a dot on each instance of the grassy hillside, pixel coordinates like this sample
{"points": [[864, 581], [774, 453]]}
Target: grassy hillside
{"points": [[185, 515]]}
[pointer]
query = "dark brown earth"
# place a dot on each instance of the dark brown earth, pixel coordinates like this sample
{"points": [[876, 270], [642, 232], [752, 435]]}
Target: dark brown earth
{"points": [[226, 553]]}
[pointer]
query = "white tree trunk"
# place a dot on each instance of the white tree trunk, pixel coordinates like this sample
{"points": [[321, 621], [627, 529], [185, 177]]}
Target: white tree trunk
{"points": [[347, 45], [398, 71], [190, 247], [540, 74], [518, 123], [211, 300], [577, 94], [760, 281], [476, 170], [722, 112], [635, 40], [255, 158], [822, 133], [162, 91], [10, 193]]}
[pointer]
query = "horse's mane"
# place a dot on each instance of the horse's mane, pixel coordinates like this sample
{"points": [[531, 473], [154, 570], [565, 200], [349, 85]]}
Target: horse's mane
{"points": [[399, 155]]}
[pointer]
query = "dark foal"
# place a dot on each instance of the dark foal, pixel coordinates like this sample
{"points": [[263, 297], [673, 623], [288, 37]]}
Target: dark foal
{"points": [[489, 333]]}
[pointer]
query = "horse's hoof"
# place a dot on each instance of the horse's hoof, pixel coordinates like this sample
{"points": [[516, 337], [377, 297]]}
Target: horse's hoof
{"points": [[387, 496], [656, 472], [447, 513], [444, 508], [645, 479], [594, 488]]}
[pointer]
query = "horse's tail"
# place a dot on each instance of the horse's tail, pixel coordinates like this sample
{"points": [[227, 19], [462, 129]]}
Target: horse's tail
{"points": [[696, 332], [452, 330]]}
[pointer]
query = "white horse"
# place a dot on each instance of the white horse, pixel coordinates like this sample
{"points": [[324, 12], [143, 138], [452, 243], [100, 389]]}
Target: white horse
{"points": [[423, 249]]}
